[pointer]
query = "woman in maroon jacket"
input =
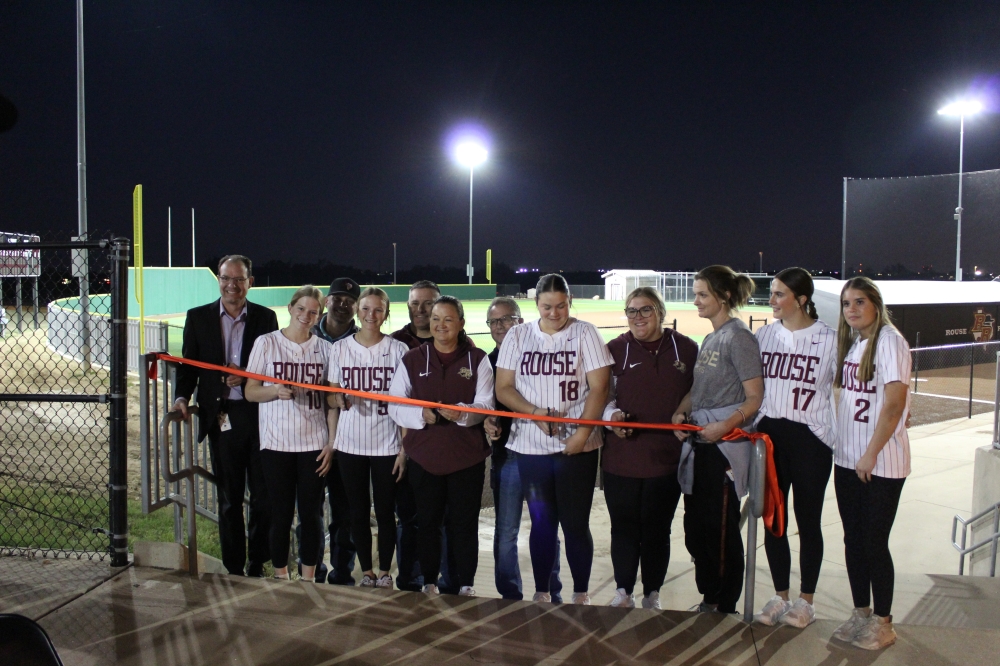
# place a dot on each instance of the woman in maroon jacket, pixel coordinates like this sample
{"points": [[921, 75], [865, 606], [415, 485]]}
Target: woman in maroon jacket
{"points": [[447, 449], [653, 372]]}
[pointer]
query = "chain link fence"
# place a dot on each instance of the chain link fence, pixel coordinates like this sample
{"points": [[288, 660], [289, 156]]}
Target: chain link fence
{"points": [[56, 395], [953, 380]]}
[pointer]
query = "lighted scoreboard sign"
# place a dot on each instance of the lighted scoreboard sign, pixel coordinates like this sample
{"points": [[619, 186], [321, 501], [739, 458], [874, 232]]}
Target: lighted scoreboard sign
{"points": [[15, 262]]}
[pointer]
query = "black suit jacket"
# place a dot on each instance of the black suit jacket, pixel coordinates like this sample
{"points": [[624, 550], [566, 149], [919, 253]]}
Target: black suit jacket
{"points": [[203, 342]]}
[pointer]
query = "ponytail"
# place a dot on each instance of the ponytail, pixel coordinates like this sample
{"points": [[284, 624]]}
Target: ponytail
{"points": [[732, 288], [800, 282]]}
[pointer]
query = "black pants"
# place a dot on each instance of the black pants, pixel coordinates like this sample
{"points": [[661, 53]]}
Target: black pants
{"points": [[292, 479], [236, 463], [342, 549], [711, 508], [803, 463], [409, 576], [461, 493], [356, 472], [868, 511], [559, 490], [641, 512]]}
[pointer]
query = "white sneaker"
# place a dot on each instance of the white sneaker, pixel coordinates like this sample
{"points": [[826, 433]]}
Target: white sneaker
{"points": [[800, 615], [876, 634], [772, 611], [622, 599], [850, 629], [652, 600], [385, 582], [583, 599], [543, 597], [367, 581], [466, 591], [431, 589]]}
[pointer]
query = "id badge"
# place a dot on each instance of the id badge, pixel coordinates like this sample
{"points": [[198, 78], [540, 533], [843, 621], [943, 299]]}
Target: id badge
{"points": [[224, 423]]}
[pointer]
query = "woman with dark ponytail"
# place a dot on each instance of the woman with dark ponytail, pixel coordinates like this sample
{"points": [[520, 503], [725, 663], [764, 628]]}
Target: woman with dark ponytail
{"points": [[799, 358], [726, 394]]}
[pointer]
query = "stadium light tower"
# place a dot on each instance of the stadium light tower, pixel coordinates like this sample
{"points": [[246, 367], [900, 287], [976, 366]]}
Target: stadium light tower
{"points": [[470, 154], [961, 109]]}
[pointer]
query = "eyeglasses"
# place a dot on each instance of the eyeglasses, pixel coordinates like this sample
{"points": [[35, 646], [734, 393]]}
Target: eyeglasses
{"points": [[239, 281], [645, 311], [506, 320]]}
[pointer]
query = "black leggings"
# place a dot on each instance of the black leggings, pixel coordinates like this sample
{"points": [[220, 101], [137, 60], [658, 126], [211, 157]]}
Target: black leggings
{"points": [[803, 462], [718, 562], [560, 491], [641, 512], [868, 511], [461, 493], [356, 472], [291, 477]]}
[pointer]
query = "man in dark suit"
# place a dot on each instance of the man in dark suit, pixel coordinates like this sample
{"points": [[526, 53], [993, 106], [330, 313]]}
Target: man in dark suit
{"points": [[223, 333]]}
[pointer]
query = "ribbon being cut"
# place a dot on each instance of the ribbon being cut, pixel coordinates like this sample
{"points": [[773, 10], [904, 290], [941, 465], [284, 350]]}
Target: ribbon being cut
{"points": [[774, 505]]}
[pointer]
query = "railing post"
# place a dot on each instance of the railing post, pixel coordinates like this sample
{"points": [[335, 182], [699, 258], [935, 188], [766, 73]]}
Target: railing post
{"points": [[118, 455], [972, 372], [993, 546]]}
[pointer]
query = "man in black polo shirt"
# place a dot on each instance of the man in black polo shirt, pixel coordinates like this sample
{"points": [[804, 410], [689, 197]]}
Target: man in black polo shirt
{"points": [[341, 307]]}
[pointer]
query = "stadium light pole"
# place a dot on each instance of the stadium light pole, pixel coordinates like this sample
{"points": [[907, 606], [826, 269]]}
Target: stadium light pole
{"points": [[961, 109], [470, 154], [394, 263]]}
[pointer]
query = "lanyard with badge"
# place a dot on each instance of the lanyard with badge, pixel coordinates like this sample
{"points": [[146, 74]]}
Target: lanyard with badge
{"points": [[224, 423]]}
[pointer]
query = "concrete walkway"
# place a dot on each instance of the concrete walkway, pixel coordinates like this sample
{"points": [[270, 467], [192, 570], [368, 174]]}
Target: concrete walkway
{"points": [[939, 487]]}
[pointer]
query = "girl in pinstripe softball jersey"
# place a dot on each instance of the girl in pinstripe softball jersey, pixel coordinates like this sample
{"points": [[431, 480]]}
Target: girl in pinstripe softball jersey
{"points": [[365, 437], [872, 459], [558, 366], [294, 431], [799, 358]]}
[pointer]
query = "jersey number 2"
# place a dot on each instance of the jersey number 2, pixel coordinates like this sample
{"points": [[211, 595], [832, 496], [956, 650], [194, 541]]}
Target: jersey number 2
{"points": [[570, 390], [862, 414]]}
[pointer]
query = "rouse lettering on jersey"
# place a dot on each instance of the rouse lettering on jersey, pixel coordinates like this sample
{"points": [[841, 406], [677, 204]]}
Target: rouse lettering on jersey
{"points": [[366, 379], [851, 382], [796, 367], [548, 363], [307, 373]]}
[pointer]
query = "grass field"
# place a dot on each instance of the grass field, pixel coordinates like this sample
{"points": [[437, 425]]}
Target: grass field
{"points": [[608, 315]]}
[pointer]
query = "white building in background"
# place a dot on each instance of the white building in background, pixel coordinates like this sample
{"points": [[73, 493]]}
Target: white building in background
{"points": [[619, 282]]}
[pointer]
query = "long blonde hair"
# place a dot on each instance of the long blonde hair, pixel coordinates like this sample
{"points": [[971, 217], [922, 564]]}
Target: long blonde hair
{"points": [[847, 335]]}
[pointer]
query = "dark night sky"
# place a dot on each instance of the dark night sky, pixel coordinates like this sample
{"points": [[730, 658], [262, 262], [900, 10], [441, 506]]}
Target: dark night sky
{"points": [[646, 135]]}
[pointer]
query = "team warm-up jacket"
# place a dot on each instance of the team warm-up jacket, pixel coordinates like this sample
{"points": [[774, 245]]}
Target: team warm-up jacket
{"points": [[203, 342], [465, 379], [648, 386]]}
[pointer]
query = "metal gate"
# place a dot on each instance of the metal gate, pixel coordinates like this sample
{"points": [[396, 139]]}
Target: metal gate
{"points": [[63, 430]]}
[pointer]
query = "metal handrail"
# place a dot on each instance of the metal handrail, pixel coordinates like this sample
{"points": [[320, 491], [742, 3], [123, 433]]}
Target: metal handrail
{"points": [[186, 474], [755, 505], [963, 550]]}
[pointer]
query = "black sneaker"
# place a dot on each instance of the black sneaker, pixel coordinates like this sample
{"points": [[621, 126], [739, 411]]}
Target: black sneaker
{"points": [[255, 570]]}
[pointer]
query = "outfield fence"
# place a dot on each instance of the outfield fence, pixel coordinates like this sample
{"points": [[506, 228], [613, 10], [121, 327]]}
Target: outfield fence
{"points": [[963, 374]]}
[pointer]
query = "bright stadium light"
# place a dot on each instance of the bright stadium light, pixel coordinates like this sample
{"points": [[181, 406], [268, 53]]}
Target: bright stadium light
{"points": [[470, 153], [961, 108], [965, 107]]}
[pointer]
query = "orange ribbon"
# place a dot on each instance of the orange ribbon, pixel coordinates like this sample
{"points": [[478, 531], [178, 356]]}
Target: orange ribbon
{"points": [[774, 505]]}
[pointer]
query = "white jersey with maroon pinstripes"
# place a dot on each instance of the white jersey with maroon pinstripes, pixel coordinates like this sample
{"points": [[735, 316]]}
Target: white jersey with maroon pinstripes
{"points": [[298, 424], [861, 404], [551, 373], [366, 429], [799, 368]]}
